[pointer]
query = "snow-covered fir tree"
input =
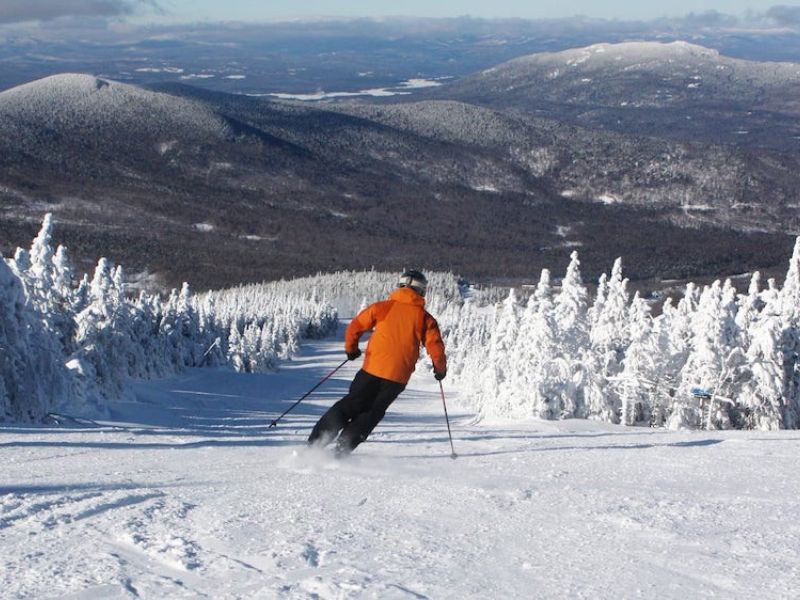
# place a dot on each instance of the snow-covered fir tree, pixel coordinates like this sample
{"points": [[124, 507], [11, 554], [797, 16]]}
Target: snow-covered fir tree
{"points": [[638, 381], [697, 364], [789, 305], [33, 377], [717, 359], [106, 337], [760, 401], [571, 310]]}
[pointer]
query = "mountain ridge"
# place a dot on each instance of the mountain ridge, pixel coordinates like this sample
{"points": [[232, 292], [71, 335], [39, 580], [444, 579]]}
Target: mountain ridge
{"points": [[678, 91], [290, 187]]}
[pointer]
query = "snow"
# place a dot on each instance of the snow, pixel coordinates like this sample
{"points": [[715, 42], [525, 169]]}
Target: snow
{"points": [[698, 207], [419, 83], [165, 147], [311, 97], [404, 88], [609, 199], [145, 281], [634, 51], [184, 492], [321, 95], [173, 70], [673, 61]]}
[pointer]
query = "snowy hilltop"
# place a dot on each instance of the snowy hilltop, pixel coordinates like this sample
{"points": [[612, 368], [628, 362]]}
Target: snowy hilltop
{"points": [[76, 104]]}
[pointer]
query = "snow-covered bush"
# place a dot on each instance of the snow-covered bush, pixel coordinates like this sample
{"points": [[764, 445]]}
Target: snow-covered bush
{"points": [[717, 360], [78, 343]]}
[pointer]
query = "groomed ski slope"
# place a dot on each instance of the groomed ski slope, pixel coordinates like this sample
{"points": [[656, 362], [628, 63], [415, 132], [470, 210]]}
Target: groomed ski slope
{"points": [[187, 494]]}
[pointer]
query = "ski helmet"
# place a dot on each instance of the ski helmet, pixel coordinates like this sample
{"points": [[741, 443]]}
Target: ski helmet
{"points": [[415, 280]]}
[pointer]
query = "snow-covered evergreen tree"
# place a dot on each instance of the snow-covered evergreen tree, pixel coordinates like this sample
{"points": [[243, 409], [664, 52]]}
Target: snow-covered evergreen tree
{"points": [[788, 301], [103, 336], [749, 307], [717, 359], [571, 310], [609, 334], [639, 386], [760, 399], [711, 366], [503, 336], [41, 265], [533, 349], [609, 337], [33, 378]]}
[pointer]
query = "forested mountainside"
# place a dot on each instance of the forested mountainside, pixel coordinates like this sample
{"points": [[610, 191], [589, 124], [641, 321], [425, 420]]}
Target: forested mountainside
{"points": [[480, 180]]}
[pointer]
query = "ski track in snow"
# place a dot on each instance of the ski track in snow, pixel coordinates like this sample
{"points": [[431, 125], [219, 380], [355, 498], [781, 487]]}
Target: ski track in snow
{"points": [[188, 494]]}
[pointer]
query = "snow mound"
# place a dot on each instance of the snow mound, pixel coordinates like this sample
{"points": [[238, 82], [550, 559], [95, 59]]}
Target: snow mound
{"points": [[71, 101]]}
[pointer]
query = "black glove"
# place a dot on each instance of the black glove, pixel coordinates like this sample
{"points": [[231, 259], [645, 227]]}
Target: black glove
{"points": [[354, 355], [439, 375]]}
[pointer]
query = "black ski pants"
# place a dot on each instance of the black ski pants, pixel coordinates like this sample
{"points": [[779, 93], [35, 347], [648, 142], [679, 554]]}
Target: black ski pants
{"points": [[357, 414]]}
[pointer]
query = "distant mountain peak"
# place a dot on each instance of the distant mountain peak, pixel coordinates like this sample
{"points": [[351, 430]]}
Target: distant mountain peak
{"points": [[620, 53], [77, 101], [679, 47], [635, 74], [68, 84]]}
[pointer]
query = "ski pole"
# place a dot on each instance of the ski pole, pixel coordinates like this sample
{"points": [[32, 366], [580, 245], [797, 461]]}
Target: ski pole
{"points": [[453, 454], [307, 394]]}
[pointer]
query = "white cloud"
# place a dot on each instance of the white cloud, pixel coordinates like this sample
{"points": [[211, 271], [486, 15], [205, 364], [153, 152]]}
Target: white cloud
{"points": [[787, 16], [18, 11]]}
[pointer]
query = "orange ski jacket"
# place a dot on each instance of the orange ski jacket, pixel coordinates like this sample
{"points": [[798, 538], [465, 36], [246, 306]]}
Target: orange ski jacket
{"points": [[401, 324]]}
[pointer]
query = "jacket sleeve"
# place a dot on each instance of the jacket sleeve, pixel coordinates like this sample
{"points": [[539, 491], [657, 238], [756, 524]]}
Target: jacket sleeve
{"points": [[364, 321], [434, 344]]}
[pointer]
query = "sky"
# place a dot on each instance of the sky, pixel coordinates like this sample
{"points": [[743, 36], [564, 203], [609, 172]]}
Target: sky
{"points": [[186, 11], [611, 9]]}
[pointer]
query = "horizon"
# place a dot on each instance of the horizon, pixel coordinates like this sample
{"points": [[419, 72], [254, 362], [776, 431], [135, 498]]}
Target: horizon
{"points": [[625, 10], [83, 14]]}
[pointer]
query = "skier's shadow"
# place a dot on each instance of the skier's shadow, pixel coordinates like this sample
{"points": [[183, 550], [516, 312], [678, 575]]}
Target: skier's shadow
{"points": [[532, 449]]}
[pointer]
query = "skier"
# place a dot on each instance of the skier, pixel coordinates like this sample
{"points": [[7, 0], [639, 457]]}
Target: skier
{"points": [[401, 324]]}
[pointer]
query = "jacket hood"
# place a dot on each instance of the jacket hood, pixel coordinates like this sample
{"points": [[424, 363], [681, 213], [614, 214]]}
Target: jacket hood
{"points": [[407, 296]]}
